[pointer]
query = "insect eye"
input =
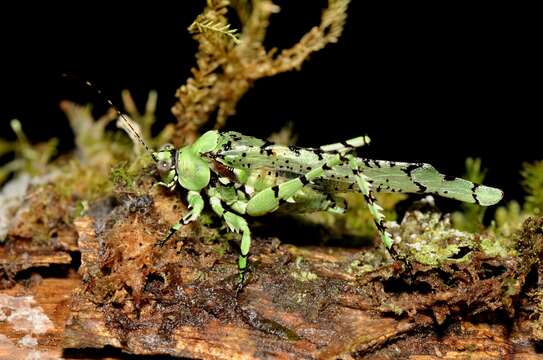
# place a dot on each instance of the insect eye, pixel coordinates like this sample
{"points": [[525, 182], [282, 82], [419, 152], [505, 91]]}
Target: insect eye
{"points": [[163, 166], [167, 147]]}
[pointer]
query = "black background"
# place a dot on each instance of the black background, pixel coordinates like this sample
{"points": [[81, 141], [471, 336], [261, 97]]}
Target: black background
{"points": [[432, 83]]}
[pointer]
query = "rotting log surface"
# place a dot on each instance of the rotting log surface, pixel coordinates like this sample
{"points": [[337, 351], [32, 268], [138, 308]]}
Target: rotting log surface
{"points": [[181, 299], [301, 302]]}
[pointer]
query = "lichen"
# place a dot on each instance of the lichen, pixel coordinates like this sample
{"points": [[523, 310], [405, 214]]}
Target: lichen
{"points": [[429, 239], [23, 315]]}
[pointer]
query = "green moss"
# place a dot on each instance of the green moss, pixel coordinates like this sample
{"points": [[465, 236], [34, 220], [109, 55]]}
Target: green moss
{"points": [[389, 307], [367, 261], [533, 185], [510, 287], [122, 176], [302, 274], [28, 158]]}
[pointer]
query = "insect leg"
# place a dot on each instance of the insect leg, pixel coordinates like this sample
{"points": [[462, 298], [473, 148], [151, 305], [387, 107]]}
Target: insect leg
{"points": [[346, 146], [196, 205], [267, 200], [375, 209], [236, 224], [338, 205]]}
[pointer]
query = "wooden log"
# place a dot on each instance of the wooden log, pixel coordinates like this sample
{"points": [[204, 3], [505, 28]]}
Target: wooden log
{"points": [[181, 300]]}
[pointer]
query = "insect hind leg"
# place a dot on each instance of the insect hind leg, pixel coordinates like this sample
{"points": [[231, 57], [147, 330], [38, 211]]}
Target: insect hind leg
{"points": [[374, 208], [269, 199], [346, 146]]}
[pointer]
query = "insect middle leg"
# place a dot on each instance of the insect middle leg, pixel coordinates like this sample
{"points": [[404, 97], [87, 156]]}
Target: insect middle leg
{"points": [[235, 223], [374, 208]]}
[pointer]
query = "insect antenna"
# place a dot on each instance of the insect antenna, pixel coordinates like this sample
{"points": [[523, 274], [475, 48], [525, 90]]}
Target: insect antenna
{"points": [[129, 128]]}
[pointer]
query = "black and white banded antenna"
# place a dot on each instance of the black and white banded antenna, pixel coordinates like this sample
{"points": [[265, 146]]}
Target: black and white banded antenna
{"points": [[129, 128]]}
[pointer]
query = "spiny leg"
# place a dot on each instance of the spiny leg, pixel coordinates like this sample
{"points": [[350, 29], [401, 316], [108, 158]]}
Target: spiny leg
{"points": [[346, 146], [375, 209], [235, 223], [196, 205], [338, 205]]}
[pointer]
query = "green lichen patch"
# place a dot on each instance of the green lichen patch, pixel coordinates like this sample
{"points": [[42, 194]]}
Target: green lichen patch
{"points": [[430, 239], [478, 282]]}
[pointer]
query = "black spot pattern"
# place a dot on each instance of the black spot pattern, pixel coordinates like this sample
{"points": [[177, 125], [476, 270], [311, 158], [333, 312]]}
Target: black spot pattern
{"points": [[474, 194], [422, 188], [294, 149], [412, 167], [380, 225], [318, 152], [275, 190]]}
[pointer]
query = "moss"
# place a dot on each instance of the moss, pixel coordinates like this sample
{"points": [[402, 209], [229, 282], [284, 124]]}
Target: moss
{"points": [[390, 307], [304, 276], [29, 158], [533, 185], [498, 246], [301, 274], [367, 261], [537, 317]]}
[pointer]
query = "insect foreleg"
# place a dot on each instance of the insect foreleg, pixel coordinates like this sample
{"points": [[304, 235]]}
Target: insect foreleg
{"points": [[375, 209], [195, 205]]}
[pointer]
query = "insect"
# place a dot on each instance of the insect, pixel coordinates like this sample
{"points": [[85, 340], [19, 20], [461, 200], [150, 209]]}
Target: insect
{"points": [[242, 176]]}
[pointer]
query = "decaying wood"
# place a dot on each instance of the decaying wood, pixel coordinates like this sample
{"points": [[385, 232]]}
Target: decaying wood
{"points": [[40, 234], [50, 297], [130, 296], [17, 261], [181, 299]]}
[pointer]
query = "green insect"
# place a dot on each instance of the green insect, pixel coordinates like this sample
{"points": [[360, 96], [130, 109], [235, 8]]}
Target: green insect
{"points": [[243, 176]]}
